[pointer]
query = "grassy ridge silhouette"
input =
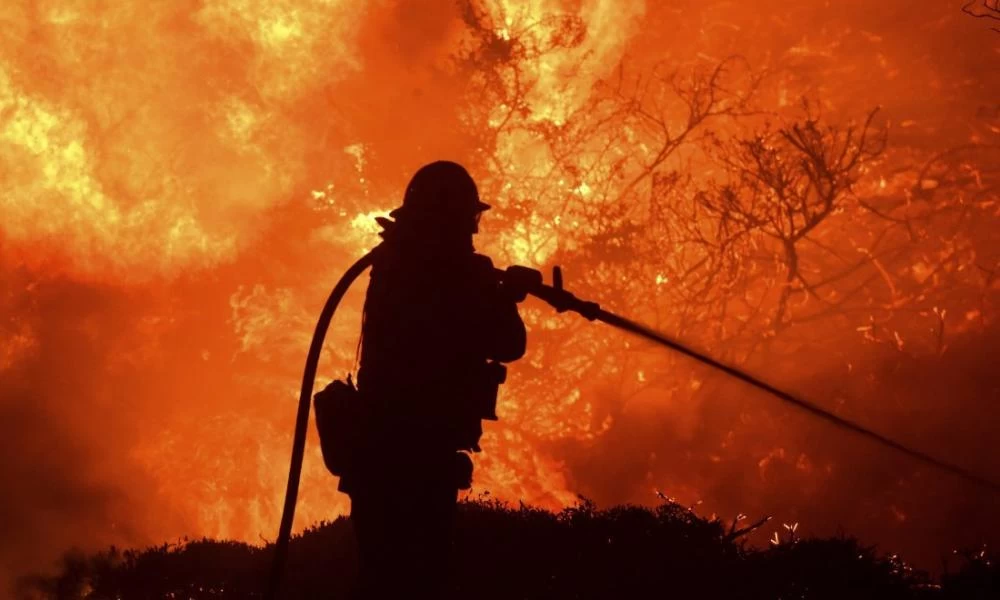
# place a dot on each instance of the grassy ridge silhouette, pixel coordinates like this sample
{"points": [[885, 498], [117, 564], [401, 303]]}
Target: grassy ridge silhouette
{"points": [[524, 552]]}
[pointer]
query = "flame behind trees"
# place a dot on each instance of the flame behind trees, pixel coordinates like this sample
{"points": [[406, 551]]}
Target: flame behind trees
{"points": [[775, 238], [815, 243]]}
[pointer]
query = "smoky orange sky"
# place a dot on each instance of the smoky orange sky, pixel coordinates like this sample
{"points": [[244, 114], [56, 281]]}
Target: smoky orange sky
{"points": [[183, 182]]}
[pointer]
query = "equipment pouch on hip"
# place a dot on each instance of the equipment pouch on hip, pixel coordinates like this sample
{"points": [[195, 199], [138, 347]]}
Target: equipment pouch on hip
{"points": [[341, 424]]}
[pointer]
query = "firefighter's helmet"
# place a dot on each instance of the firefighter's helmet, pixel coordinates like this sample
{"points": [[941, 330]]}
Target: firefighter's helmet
{"points": [[440, 192]]}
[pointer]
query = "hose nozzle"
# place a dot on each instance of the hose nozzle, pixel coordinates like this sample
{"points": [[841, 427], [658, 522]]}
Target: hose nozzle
{"points": [[525, 280]]}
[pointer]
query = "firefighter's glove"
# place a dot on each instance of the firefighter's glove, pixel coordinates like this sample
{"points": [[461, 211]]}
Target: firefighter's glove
{"points": [[518, 281]]}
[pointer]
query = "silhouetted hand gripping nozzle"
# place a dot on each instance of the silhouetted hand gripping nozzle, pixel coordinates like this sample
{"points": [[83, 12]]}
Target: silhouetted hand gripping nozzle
{"points": [[529, 281]]}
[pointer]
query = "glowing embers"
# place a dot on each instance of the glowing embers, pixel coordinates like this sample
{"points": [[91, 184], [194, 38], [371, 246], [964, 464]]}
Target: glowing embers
{"points": [[17, 341]]}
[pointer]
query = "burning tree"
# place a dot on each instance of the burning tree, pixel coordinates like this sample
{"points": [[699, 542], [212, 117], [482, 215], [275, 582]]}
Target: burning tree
{"points": [[764, 235]]}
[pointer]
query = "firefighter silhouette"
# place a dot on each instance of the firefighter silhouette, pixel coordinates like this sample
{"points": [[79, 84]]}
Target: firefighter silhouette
{"points": [[437, 324]]}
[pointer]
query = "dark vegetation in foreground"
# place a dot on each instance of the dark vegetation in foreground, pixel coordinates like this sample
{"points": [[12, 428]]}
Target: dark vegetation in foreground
{"points": [[520, 553]]}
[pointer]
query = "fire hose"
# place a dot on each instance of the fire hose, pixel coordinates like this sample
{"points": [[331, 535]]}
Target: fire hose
{"points": [[563, 301]]}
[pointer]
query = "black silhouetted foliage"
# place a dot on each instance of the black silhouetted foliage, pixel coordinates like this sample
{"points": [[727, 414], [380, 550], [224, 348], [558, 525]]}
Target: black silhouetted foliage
{"points": [[506, 552]]}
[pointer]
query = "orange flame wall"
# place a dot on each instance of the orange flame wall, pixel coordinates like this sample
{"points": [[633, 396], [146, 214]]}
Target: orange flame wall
{"points": [[183, 181]]}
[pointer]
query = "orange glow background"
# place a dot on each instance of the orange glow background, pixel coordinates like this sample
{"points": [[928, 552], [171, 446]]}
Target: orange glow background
{"points": [[183, 182]]}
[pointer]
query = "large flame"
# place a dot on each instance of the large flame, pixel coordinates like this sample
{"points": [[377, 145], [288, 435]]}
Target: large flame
{"points": [[183, 181]]}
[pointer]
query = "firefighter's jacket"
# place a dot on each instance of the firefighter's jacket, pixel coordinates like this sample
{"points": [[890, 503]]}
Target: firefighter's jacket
{"points": [[433, 317]]}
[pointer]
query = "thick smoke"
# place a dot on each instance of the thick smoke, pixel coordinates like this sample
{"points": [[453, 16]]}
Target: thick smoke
{"points": [[72, 413]]}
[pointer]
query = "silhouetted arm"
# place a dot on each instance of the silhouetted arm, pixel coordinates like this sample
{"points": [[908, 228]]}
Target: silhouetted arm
{"points": [[510, 338], [503, 331]]}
